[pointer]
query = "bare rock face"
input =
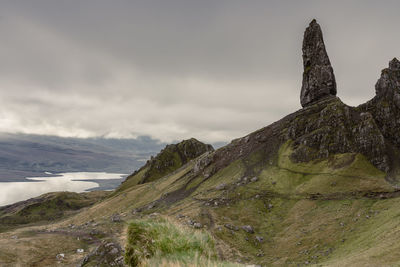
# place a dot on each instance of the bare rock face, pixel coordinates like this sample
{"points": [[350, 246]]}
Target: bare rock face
{"points": [[388, 85], [385, 106], [385, 110], [318, 78]]}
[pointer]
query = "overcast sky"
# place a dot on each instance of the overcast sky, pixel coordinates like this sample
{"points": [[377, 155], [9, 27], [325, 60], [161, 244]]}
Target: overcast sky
{"points": [[214, 70]]}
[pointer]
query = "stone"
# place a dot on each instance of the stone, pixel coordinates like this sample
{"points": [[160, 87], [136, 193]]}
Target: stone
{"points": [[106, 254], [95, 232], [221, 186], [254, 179], [231, 227], [114, 251], [60, 256], [197, 225], [318, 77], [260, 239], [151, 206], [248, 229], [115, 218], [80, 250], [119, 260], [180, 216]]}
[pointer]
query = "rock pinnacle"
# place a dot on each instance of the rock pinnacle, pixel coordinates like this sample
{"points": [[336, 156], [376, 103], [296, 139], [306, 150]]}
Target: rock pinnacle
{"points": [[318, 78], [389, 82]]}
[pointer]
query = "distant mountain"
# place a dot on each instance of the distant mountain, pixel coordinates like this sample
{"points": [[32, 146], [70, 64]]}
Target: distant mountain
{"points": [[23, 155]]}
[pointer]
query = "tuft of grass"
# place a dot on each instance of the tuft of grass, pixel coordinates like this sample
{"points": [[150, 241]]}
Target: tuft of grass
{"points": [[160, 242]]}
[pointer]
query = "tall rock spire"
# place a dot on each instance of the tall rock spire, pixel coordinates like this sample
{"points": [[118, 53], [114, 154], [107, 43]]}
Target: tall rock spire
{"points": [[318, 78]]}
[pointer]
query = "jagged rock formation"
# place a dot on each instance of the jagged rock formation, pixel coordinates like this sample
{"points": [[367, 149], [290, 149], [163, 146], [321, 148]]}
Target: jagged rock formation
{"points": [[171, 158], [318, 78], [327, 126], [385, 110]]}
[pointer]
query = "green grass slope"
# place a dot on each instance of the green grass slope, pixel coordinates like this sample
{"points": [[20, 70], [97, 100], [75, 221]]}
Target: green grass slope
{"points": [[171, 158], [47, 207], [336, 211]]}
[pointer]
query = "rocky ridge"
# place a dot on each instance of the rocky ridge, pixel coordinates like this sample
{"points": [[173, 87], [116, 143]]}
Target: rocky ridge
{"points": [[171, 158], [326, 126]]}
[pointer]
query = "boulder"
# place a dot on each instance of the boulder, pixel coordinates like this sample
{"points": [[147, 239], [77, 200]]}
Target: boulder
{"points": [[116, 218], [248, 229]]}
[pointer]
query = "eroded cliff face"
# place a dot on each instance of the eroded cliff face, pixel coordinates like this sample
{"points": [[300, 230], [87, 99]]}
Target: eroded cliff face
{"points": [[385, 106], [326, 126]]}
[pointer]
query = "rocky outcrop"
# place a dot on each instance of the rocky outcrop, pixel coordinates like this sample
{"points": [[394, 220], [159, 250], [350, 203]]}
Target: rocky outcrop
{"points": [[385, 106], [106, 254], [327, 126], [171, 158], [385, 111], [318, 78], [388, 86]]}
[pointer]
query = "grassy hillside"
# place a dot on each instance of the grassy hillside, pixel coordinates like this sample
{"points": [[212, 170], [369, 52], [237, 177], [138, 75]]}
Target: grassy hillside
{"points": [[47, 207], [259, 209], [315, 212], [171, 158]]}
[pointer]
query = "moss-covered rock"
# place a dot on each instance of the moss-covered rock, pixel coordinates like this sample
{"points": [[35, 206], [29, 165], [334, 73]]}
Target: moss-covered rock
{"points": [[171, 158]]}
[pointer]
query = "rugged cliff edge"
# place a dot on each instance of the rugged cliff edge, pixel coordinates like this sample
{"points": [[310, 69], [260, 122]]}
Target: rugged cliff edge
{"points": [[326, 126]]}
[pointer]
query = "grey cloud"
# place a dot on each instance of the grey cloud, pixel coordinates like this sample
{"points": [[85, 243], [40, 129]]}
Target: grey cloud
{"points": [[215, 70]]}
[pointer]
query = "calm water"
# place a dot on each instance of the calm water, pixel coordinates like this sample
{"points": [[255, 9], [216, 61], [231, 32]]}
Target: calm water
{"points": [[73, 182]]}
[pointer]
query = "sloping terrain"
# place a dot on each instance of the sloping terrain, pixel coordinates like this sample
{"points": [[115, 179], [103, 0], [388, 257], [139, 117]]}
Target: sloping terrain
{"points": [[47, 207], [318, 187], [168, 160]]}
